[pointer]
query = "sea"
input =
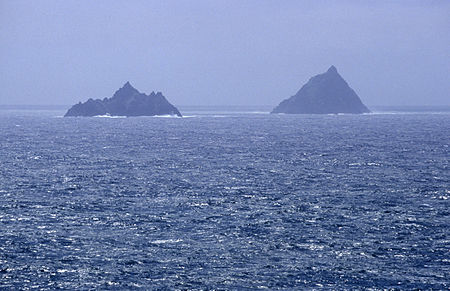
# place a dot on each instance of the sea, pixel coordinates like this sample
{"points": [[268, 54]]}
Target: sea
{"points": [[225, 199]]}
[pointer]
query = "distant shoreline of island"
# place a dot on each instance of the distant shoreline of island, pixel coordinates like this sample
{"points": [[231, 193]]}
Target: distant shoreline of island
{"points": [[248, 108]]}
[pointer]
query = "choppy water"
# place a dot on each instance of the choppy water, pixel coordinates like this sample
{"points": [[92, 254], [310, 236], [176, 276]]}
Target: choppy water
{"points": [[224, 201]]}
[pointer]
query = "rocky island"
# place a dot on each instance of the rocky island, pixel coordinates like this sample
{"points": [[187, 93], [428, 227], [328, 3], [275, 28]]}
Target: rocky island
{"points": [[323, 94], [127, 101]]}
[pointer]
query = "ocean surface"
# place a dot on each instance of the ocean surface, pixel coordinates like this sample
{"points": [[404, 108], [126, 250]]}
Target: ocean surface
{"points": [[225, 201]]}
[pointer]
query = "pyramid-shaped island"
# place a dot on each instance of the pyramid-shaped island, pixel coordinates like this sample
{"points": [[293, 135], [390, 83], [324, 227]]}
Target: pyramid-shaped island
{"points": [[326, 93], [127, 101]]}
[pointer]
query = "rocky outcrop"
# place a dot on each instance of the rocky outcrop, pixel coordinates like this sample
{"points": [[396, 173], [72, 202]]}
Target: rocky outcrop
{"points": [[127, 101], [323, 94]]}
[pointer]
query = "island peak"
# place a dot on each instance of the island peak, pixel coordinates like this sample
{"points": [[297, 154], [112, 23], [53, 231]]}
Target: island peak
{"points": [[332, 69], [127, 85]]}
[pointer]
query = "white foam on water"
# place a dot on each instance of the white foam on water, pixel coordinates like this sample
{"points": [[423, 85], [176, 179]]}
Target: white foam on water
{"points": [[166, 116], [110, 116], [165, 241]]}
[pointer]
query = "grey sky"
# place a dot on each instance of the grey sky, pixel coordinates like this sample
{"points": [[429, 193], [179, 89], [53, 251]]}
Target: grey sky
{"points": [[223, 52]]}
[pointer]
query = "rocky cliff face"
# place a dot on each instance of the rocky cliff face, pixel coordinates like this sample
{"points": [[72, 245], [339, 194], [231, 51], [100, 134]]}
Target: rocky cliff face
{"points": [[323, 94], [127, 101]]}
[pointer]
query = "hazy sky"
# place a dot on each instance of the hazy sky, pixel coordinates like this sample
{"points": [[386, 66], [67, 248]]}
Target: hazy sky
{"points": [[223, 52]]}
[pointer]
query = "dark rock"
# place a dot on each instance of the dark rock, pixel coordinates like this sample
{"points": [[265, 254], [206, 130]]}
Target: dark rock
{"points": [[127, 101], [323, 94]]}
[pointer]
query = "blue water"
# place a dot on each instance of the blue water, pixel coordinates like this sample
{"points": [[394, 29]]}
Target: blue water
{"points": [[224, 201]]}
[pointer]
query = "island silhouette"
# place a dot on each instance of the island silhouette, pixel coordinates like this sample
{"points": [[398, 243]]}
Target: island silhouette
{"points": [[127, 101], [326, 93]]}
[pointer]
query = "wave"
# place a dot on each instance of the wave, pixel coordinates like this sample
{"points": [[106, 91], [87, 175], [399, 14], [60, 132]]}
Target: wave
{"points": [[153, 116], [110, 116], [164, 241]]}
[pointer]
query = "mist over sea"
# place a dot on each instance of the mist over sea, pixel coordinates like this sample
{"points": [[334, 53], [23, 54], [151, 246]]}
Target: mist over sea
{"points": [[225, 198]]}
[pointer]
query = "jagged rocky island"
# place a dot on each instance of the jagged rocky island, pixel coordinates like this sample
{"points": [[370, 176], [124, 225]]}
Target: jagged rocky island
{"points": [[326, 93], [127, 101]]}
